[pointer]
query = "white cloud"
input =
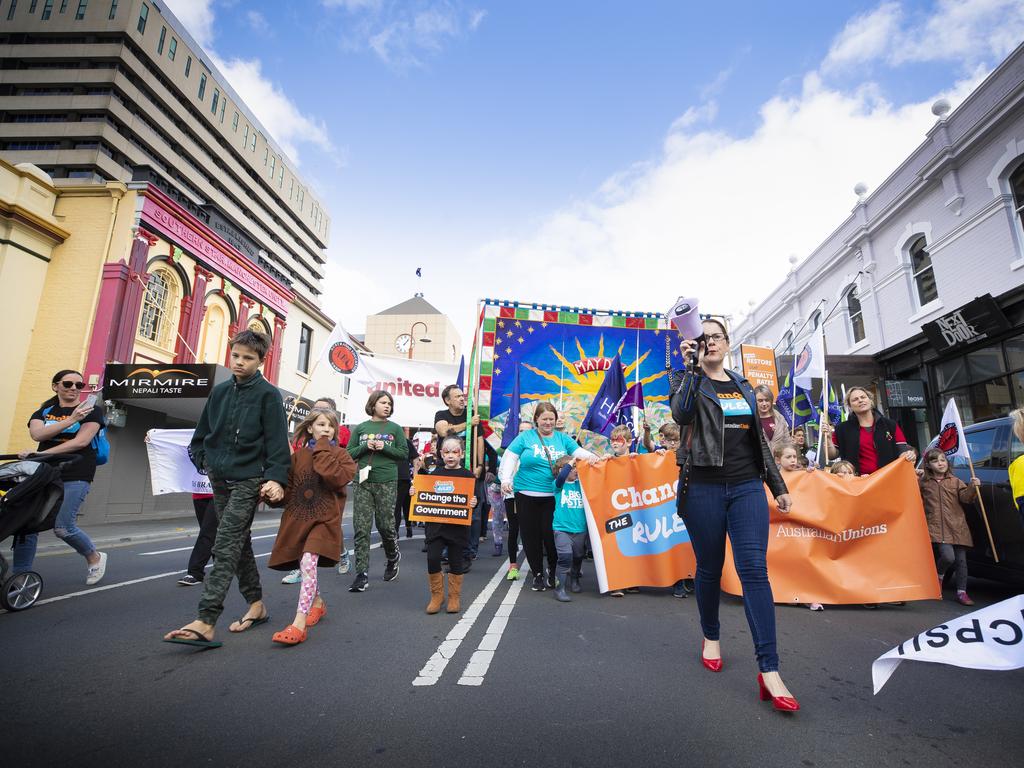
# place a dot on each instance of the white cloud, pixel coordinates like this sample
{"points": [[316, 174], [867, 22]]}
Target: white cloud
{"points": [[865, 37], [279, 114], [968, 31], [257, 22], [716, 215], [197, 16], [403, 36], [286, 123]]}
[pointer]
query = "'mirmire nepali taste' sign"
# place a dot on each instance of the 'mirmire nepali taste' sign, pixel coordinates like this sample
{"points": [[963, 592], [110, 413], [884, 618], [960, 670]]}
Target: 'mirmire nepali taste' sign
{"points": [[132, 381], [440, 499]]}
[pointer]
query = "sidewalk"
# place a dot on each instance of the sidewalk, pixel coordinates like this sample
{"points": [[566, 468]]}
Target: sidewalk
{"points": [[134, 531]]}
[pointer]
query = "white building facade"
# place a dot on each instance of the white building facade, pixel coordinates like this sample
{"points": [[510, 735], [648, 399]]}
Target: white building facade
{"points": [[924, 281]]}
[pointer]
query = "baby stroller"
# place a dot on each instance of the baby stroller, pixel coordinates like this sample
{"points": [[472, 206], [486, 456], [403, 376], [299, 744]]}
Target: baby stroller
{"points": [[32, 493]]}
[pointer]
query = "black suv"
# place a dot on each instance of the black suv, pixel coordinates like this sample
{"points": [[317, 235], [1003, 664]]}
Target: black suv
{"points": [[993, 446]]}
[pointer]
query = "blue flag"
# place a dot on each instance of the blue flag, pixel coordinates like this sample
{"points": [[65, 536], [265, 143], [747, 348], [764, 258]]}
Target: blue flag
{"points": [[795, 403], [600, 416], [462, 372], [835, 413], [629, 410], [512, 422]]}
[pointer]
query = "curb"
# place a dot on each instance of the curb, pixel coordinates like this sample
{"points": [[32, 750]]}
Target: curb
{"points": [[164, 534]]}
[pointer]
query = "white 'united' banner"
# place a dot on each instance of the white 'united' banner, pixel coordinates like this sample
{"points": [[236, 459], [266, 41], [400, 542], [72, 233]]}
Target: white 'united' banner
{"points": [[992, 638], [415, 385], [170, 468]]}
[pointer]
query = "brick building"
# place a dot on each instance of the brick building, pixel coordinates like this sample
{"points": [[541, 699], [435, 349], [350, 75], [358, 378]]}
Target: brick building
{"points": [[172, 220]]}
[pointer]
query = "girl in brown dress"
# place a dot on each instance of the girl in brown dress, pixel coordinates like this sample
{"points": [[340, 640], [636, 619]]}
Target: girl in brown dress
{"points": [[310, 532]]}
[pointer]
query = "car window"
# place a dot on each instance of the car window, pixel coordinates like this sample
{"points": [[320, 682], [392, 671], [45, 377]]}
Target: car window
{"points": [[1016, 446], [980, 444]]}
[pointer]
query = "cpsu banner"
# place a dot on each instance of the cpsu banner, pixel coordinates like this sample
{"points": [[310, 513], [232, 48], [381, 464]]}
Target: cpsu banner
{"points": [[990, 638], [441, 499], [416, 387], [636, 536], [848, 540]]}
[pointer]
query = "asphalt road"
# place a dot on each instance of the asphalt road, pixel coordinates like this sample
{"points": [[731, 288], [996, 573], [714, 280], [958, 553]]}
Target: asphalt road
{"points": [[516, 679]]}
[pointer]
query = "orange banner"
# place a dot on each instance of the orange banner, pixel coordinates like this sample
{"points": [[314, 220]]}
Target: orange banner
{"points": [[759, 366], [849, 540], [441, 499], [636, 536]]}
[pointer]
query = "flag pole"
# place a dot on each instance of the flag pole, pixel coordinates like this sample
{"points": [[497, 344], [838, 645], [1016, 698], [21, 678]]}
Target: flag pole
{"points": [[561, 376], [984, 516], [474, 390], [302, 389], [823, 418]]}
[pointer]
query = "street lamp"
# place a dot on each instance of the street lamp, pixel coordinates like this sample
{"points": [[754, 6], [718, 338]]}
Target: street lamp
{"points": [[412, 336]]}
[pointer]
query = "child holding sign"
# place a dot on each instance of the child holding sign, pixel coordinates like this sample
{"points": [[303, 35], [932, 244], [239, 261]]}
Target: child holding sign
{"points": [[450, 535], [310, 532], [570, 526]]}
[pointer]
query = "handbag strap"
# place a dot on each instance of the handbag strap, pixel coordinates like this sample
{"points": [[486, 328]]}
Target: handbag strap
{"points": [[547, 453]]}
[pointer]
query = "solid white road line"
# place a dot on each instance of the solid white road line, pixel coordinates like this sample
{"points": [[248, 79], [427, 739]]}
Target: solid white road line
{"points": [[435, 665], [184, 549], [105, 587], [480, 661]]}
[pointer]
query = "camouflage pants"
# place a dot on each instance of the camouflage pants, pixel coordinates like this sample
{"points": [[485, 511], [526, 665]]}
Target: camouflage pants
{"points": [[374, 501], [232, 549]]}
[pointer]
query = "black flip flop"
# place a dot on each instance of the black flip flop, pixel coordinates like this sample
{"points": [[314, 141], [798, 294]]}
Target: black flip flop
{"points": [[199, 642], [252, 623]]}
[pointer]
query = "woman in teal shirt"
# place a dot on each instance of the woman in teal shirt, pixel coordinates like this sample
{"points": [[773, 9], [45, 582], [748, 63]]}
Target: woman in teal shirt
{"points": [[528, 469]]}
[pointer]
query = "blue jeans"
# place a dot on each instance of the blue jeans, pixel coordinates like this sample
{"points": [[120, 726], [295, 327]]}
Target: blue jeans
{"points": [[741, 510], [64, 527]]}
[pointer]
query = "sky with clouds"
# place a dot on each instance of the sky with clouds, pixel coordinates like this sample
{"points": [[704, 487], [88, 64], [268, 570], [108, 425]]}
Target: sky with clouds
{"points": [[601, 154]]}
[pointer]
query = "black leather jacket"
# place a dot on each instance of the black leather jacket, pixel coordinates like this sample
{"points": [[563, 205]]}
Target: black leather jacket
{"points": [[695, 405]]}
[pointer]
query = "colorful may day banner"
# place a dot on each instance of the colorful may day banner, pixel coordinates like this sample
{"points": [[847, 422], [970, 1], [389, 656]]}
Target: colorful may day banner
{"points": [[563, 353], [636, 536], [848, 540]]}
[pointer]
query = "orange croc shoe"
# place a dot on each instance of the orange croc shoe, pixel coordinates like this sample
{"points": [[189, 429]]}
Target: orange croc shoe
{"points": [[316, 613], [290, 635]]}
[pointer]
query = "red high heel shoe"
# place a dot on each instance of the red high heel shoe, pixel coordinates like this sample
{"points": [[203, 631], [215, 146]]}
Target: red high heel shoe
{"points": [[781, 703], [715, 665]]}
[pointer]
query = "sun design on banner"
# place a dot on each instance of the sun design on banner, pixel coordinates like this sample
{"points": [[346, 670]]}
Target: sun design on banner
{"points": [[587, 373]]}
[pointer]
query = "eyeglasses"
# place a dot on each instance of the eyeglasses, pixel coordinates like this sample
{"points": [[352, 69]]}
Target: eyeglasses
{"points": [[73, 384], [718, 338]]}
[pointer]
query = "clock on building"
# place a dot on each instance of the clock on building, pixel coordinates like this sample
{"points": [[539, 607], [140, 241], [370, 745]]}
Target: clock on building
{"points": [[403, 343]]}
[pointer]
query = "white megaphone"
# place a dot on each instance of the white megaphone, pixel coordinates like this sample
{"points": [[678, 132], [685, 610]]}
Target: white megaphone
{"points": [[685, 317]]}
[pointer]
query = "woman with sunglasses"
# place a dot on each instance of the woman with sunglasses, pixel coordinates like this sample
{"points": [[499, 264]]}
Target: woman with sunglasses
{"points": [[64, 425], [727, 464]]}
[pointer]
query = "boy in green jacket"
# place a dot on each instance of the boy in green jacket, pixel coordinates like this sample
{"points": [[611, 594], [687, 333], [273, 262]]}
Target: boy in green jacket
{"points": [[241, 443]]}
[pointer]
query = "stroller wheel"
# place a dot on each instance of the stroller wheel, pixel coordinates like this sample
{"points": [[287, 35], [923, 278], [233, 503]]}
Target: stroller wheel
{"points": [[21, 591]]}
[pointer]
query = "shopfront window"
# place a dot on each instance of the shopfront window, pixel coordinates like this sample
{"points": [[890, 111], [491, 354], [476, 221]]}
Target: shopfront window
{"points": [[952, 373], [157, 321], [990, 399], [986, 363]]}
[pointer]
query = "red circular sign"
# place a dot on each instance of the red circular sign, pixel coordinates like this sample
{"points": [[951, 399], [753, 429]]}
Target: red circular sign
{"points": [[343, 357]]}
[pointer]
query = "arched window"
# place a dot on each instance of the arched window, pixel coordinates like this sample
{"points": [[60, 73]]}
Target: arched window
{"points": [[259, 325], [1017, 188], [158, 320], [215, 333], [856, 315], [924, 273]]}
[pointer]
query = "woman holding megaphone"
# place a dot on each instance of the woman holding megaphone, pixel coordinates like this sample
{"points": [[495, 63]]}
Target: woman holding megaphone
{"points": [[724, 462]]}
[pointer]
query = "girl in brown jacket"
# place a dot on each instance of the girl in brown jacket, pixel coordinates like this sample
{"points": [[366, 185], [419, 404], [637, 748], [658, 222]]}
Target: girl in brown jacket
{"points": [[310, 532], [944, 495]]}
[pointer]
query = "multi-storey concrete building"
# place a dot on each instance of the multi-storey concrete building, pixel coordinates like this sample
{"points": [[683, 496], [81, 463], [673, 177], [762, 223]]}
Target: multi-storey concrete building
{"points": [[176, 218], [925, 279]]}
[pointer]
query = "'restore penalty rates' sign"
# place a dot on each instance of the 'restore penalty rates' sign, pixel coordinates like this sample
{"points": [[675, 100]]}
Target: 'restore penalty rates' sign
{"points": [[636, 536], [440, 499]]}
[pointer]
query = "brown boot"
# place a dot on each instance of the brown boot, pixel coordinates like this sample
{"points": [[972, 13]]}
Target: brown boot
{"points": [[454, 593], [436, 592]]}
